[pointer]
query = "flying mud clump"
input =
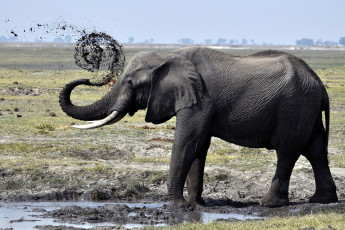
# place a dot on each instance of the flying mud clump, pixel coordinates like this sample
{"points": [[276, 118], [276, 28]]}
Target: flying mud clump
{"points": [[100, 52], [96, 51]]}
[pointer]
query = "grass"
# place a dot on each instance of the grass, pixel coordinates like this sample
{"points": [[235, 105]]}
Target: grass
{"points": [[44, 128], [242, 158], [317, 221], [159, 160], [37, 57], [37, 121], [40, 150]]}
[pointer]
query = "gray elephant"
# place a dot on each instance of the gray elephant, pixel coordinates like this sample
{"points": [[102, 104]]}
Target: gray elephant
{"points": [[270, 100]]}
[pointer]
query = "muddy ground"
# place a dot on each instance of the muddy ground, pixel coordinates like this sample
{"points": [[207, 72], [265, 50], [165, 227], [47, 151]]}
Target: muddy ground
{"points": [[151, 213], [122, 216], [227, 189]]}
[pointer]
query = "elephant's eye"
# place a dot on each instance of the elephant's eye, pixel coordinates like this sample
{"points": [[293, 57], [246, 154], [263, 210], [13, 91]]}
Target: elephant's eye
{"points": [[130, 81]]}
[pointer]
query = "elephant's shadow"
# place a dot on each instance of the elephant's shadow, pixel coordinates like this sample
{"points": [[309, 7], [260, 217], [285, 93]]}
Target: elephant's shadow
{"points": [[228, 202], [254, 208], [245, 204]]}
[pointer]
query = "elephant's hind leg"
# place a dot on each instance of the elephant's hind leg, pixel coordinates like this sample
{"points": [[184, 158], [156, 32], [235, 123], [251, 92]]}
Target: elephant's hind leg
{"points": [[316, 153], [277, 196]]}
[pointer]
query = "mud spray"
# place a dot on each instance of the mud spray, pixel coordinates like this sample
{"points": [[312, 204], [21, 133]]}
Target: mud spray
{"points": [[95, 52], [100, 52]]}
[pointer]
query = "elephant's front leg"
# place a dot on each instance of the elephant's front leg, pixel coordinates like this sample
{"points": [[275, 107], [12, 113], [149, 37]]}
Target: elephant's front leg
{"points": [[195, 175], [182, 158], [188, 155]]}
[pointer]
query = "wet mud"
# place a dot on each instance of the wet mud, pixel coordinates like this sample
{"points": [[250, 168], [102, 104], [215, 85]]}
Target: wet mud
{"points": [[145, 214], [86, 215], [155, 214]]}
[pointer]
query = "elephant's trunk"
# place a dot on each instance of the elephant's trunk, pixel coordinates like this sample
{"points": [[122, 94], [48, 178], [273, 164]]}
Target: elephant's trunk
{"points": [[95, 111]]}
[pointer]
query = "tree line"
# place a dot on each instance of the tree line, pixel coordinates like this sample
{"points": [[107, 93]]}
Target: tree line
{"points": [[300, 42], [320, 42], [189, 41], [65, 39]]}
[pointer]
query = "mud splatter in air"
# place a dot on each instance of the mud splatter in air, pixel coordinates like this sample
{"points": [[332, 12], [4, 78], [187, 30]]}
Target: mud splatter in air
{"points": [[14, 33], [45, 31], [99, 51], [95, 51]]}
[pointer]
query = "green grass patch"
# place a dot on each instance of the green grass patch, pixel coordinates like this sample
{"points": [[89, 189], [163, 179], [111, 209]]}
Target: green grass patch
{"points": [[44, 128], [312, 221], [157, 160], [26, 149], [32, 172], [99, 169], [222, 156], [157, 177], [242, 158], [337, 160]]}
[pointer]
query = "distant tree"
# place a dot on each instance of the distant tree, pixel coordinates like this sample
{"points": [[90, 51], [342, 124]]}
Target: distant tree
{"points": [[233, 42], [329, 43], [38, 40], [342, 41], [130, 39], [221, 41], [208, 41], [244, 41], [58, 40], [68, 38], [319, 42], [148, 41], [252, 42], [186, 41], [3, 38], [305, 42], [13, 39]]}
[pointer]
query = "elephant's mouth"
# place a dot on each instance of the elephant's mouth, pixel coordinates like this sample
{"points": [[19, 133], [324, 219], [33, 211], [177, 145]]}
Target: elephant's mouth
{"points": [[132, 111], [114, 117]]}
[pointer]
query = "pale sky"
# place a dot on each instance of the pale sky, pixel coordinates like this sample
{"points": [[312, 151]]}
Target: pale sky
{"points": [[270, 21]]}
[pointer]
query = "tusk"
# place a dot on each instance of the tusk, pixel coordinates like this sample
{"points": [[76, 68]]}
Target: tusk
{"points": [[112, 118]]}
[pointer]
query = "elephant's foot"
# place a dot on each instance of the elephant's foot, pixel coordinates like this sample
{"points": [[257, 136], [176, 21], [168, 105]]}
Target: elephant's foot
{"points": [[197, 201], [272, 201], [179, 203], [324, 198], [274, 197]]}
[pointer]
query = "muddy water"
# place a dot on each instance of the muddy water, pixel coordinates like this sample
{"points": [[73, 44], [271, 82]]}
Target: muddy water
{"points": [[28, 215]]}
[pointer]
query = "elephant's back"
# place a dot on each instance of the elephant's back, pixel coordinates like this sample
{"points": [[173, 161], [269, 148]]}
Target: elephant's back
{"points": [[250, 81]]}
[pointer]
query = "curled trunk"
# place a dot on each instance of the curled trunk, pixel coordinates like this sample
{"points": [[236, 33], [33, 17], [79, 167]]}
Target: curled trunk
{"points": [[95, 111]]}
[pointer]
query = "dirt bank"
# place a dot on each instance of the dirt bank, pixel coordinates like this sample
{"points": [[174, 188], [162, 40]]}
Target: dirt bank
{"points": [[231, 197]]}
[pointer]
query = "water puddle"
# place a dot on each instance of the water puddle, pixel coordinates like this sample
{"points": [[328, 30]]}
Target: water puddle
{"points": [[28, 215]]}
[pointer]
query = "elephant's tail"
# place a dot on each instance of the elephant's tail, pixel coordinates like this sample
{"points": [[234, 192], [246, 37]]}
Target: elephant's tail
{"points": [[327, 116]]}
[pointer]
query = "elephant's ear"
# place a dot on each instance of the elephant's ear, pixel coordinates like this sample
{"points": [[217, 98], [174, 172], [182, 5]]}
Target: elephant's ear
{"points": [[176, 85]]}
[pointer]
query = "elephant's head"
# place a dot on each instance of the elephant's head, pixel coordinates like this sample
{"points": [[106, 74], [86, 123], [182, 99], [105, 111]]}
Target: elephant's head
{"points": [[162, 82]]}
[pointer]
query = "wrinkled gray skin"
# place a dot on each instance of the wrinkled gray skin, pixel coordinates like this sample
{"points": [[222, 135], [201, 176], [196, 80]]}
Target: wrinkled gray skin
{"points": [[267, 100]]}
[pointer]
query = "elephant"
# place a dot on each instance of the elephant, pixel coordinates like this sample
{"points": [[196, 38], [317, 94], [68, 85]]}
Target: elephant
{"points": [[270, 99]]}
